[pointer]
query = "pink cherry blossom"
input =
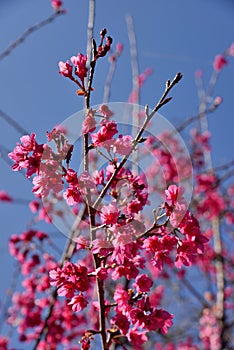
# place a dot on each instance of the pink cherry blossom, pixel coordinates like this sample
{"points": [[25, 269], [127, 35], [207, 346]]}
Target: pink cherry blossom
{"points": [[121, 321], [78, 302], [219, 62], [65, 69], [143, 283], [137, 338], [56, 4], [231, 50], [123, 144], [89, 124], [105, 133], [102, 273], [27, 155], [105, 111], [79, 62], [109, 214], [4, 197]]}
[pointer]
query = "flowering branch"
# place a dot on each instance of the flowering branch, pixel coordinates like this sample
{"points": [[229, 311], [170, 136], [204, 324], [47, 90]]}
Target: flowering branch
{"points": [[163, 100]]}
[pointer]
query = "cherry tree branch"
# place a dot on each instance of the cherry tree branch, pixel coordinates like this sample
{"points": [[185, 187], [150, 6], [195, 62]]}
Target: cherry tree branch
{"points": [[28, 32], [205, 96], [163, 100], [135, 83], [13, 123], [107, 87], [91, 51]]}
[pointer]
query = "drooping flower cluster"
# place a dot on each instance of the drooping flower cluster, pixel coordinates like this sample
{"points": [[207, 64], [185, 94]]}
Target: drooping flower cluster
{"points": [[27, 155], [69, 280]]}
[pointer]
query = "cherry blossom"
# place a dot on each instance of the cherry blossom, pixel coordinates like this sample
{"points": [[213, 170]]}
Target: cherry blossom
{"points": [[219, 62]]}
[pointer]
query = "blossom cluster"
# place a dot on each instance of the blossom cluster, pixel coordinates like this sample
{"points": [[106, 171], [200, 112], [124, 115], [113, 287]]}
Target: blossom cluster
{"points": [[123, 245], [78, 63], [107, 282]]}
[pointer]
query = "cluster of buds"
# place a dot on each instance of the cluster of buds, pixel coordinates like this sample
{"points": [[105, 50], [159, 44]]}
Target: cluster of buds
{"points": [[79, 63], [102, 49]]}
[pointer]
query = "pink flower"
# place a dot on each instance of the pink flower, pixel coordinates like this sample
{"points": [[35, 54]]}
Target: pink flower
{"points": [[89, 123], [65, 69], [210, 330], [102, 273], [69, 279], [4, 343], [109, 214], [34, 206], [105, 133], [79, 62], [138, 317], [4, 197], [143, 283], [160, 319], [105, 111], [212, 205], [86, 181], [78, 303], [56, 4], [172, 194], [137, 338], [231, 50], [46, 183], [85, 343], [72, 195], [27, 155], [119, 48], [219, 62], [122, 298], [123, 144], [198, 73], [121, 322]]}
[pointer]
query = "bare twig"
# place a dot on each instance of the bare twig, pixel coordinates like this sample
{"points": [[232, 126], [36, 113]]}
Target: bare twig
{"points": [[205, 96], [28, 32], [135, 84], [13, 123], [6, 305], [109, 79]]}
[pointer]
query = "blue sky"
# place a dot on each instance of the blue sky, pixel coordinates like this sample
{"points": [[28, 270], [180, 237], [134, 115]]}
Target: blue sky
{"points": [[172, 36]]}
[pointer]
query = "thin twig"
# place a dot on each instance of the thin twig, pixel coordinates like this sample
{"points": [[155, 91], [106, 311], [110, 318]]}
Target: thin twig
{"points": [[28, 32], [135, 84], [107, 87], [195, 293], [13, 123], [163, 100], [10, 293], [205, 96]]}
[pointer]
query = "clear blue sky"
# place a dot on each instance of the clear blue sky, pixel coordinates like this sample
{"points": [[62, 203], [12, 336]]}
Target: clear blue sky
{"points": [[172, 36]]}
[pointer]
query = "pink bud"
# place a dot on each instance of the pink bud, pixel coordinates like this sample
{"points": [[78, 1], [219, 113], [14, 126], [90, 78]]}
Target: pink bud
{"points": [[231, 50], [217, 101], [119, 48], [56, 4], [198, 73], [219, 62]]}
